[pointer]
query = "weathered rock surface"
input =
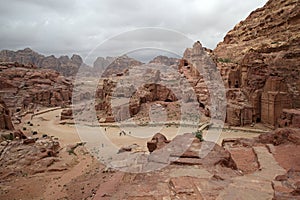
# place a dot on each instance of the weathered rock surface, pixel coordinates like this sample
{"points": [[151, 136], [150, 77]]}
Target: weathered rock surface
{"points": [[287, 186], [289, 118], [29, 156], [165, 60], [65, 65], [5, 119], [158, 141], [118, 66], [101, 63], [23, 87], [123, 97], [258, 60], [281, 136], [66, 114]]}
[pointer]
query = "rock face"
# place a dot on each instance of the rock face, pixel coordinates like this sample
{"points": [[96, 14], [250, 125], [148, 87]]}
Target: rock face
{"points": [[158, 141], [200, 71], [28, 156], [258, 61], [5, 119], [66, 114], [101, 63], [165, 60], [23, 87], [118, 66], [290, 118], [287, 186], [65, 65], [281, 136], [122, 97]]}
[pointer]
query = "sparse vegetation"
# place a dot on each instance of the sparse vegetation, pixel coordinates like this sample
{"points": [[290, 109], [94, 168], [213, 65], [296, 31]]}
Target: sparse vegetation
{"points": [[198, 134], [224, 60], [9, 136]]}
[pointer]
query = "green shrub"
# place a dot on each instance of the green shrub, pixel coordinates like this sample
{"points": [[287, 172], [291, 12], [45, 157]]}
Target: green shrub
{"points": [[224, 60], [198, 134]]}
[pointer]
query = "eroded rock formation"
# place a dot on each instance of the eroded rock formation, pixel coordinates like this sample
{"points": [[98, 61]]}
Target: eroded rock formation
{"points": [[122, 97], [25, 87], [28, 156], [65, 65], [117, 66], [5, 119], [258, 61]]}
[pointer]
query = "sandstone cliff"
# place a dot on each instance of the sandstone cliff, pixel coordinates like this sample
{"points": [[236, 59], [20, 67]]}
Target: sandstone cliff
{"points": [[259, 62], [25, 87]]}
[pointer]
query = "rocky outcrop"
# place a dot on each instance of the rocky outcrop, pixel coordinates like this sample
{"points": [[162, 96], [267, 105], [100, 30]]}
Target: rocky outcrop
{"points": [[65, 65], [28, 156], [122, 97], [258, 61], [5, 119], [101, 63], [289, 118], [118, 66], [280, 136], [66, 114], [165, 60], [24, 88], [287, 186], [200, 71], [158, 141]]}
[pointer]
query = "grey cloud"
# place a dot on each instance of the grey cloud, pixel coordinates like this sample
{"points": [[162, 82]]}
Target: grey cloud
{"points": [[75, 26]]}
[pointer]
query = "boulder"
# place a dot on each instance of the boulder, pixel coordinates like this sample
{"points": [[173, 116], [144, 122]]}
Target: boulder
{"points": [[158, 141]]}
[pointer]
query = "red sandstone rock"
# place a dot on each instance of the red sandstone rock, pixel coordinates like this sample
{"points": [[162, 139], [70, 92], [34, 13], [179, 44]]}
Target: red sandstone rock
{"points": [[29, 156], [281, 136], [158, 141], [27, 87], [289, 118], [258, 58], [66, 114], [5, 119]]}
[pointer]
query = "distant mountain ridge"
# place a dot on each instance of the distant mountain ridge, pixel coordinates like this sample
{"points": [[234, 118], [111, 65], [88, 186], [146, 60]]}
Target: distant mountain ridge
{"points": [[65, 65]]}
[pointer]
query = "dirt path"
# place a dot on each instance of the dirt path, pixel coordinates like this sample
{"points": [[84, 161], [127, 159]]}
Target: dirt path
{"points": [[54, 189]]}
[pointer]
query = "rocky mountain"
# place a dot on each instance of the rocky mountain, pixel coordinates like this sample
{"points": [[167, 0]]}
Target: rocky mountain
{"points": [[118, 66], [101, 63], [24, 87], [259, 62], [65, 65]]}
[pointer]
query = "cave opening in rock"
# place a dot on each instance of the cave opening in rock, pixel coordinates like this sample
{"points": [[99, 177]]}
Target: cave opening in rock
{"points": [[201, 105], [258, 120], [236, 85], [185, 63]]}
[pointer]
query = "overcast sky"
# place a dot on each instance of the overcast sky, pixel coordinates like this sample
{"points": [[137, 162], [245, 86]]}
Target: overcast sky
{"points": [[78, 26]]}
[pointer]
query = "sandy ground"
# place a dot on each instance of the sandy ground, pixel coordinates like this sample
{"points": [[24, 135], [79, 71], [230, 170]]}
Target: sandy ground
{"points": [[104, 141], [82, 180], [48, 123]]}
